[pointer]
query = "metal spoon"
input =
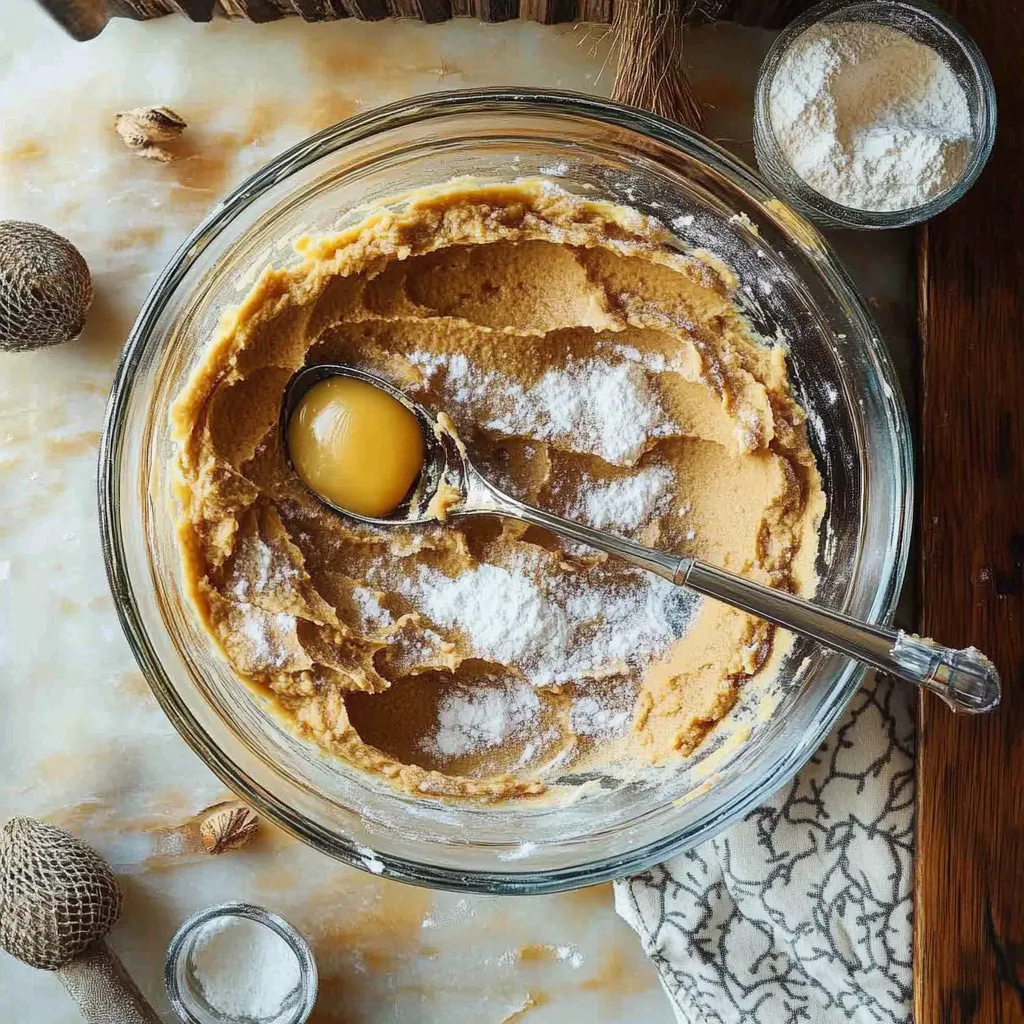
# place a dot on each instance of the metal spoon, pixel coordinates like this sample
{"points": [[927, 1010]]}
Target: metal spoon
{"points": [[965, 679]]}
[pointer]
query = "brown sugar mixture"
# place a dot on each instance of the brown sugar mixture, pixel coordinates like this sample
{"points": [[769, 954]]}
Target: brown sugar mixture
{"points": [[591, 369]]}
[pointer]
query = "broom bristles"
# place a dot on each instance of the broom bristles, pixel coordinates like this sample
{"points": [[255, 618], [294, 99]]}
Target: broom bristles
{"points": [[650, 72]]}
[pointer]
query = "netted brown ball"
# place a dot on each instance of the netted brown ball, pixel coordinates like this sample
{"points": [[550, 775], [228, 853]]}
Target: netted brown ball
{"points": [[57, 894], [45, 287]]}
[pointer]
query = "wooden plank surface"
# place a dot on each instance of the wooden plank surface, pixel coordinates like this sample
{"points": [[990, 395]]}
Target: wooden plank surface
{"points": [[969, 925]]}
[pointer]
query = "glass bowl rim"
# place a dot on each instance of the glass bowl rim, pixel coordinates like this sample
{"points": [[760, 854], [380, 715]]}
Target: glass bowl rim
{"points": [[495, 879], [826, 211]]}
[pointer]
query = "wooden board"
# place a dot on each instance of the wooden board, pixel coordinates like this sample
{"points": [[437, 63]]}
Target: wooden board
{"points": [[969, 926], [85, 19]]}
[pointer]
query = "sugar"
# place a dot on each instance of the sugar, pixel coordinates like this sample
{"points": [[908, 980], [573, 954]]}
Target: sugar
{"points": [[473, 719], [555, 628], [244, 968], [628, 502]]}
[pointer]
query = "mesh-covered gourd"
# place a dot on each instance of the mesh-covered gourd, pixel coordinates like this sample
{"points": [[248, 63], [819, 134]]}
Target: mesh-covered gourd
{"points": [[45, 287], [57, 894]]}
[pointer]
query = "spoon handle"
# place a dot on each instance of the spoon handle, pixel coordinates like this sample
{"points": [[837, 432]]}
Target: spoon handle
{"points": [[965, 679]]}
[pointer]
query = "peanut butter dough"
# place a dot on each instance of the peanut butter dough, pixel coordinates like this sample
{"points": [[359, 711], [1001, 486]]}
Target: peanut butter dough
{"points": [[591, 368]]}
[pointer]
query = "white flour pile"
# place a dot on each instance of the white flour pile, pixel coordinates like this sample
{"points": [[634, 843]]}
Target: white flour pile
{"points": [[552, 628], [625, 504], [869, 117], [589, 406], [245, 969], [480, 717], [555, 629]]}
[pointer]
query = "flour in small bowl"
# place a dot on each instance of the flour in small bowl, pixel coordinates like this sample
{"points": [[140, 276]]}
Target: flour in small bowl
{"points": [[870, 117]]}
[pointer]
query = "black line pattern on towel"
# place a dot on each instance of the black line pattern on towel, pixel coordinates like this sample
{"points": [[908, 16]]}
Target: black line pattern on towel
{"points": [[802, 911]]}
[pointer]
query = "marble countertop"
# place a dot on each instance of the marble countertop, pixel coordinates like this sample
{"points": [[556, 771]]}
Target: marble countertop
{"points": [[82, 740]]}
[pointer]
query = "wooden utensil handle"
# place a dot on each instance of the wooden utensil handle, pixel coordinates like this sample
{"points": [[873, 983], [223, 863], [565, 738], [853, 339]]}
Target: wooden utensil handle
{"points": [[103, 989]]}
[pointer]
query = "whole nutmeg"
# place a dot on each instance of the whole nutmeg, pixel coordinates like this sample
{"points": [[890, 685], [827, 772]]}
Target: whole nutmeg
{"points": [[45, 287], [230, 827], [142, 128]]}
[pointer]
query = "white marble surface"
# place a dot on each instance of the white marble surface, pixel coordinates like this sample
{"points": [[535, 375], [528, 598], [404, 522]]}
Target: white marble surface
{"points": [[82, 741]]}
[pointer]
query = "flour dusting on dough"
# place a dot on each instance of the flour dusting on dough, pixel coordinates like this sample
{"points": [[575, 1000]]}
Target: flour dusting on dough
{"points": [[590, 368]]}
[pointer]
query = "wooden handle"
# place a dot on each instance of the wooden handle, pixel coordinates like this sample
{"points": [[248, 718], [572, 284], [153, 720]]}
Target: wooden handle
{"points": [[103, 989]]}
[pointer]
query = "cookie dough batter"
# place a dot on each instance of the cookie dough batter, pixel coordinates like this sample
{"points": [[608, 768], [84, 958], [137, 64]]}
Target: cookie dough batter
{"points": [[590, 368]]}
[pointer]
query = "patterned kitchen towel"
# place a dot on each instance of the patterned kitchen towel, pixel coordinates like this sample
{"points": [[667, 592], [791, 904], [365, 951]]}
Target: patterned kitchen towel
{"points": [[802, 911]]}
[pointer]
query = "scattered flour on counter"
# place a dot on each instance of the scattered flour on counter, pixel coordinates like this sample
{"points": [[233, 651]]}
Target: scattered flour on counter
{"points": [[604, 409], [569, 954]]}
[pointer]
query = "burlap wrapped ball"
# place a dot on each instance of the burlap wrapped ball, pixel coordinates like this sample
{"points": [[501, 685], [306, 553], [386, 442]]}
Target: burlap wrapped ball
{"points": [[45, 287], [57, 894]]}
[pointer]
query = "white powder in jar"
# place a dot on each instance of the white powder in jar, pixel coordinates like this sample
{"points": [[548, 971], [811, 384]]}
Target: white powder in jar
{"points": [[244, 968], [870, 117]]}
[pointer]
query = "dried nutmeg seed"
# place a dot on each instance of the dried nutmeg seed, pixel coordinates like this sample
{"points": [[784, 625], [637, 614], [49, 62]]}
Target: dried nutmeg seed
{"points": [[230, 828], [45, 287], [143, 127]]}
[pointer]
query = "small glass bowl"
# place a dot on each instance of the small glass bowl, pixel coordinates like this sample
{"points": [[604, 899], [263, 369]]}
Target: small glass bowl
{"points": [[922, 21], [185, 993]]}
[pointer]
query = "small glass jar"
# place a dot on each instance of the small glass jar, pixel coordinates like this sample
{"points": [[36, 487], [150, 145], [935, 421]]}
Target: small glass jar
{"points": [[922, 21], [183, 986]]}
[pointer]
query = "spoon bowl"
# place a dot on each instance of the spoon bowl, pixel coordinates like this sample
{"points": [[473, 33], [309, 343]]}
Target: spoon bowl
{"points": [[443, 460]]}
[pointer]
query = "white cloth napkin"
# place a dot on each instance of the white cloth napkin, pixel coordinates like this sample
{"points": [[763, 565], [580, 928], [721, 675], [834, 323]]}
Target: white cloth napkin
{"points": [[802, 911]]}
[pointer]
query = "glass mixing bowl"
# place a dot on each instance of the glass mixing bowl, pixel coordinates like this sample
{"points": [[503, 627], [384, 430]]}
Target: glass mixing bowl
{"points": [[793, 290]]}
